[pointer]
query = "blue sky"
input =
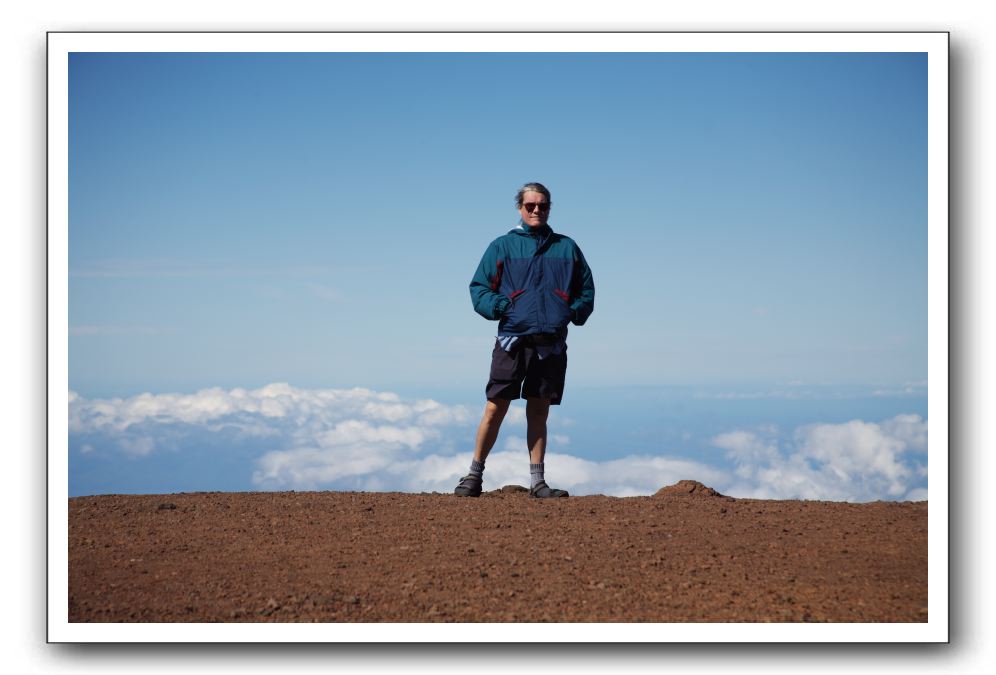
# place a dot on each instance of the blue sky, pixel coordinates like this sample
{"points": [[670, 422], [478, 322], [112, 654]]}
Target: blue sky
{"points": [[756, 224]]}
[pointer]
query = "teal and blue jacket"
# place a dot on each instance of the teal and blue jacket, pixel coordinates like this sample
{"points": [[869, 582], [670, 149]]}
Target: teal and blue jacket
{"points": [[533, 281]]}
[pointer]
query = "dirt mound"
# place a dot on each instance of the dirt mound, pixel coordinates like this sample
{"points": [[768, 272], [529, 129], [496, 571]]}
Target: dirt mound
{"points": [[393, 557], [512, 489], [689, 487]]}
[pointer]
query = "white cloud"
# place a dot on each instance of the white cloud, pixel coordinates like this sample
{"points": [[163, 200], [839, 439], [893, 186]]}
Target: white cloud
{"points": [[272, 401], [316, 435], [627, 476], [514, 444], [360, 439], [852, 461], [515, 415], [311, 468], [141, 445], [354, 439], [911, 430], [746, 447], [353, 432]]}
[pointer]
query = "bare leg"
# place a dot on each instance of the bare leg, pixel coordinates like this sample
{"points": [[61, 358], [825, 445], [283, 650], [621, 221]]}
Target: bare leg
{"points": [[537, 411], [487, 432]]}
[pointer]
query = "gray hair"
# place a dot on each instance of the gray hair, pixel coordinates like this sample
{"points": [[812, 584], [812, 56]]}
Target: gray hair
{"points": [[532, 187]]}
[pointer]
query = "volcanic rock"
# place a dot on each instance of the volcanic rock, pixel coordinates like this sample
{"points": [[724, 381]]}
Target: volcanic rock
{"points": [[688, 487]]}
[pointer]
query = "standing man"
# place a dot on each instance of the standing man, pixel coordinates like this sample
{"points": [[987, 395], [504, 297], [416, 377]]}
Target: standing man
{"points": [[534, 282]]}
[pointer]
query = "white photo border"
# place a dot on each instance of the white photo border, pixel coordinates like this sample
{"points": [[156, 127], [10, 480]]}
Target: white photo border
{"points": [[934, 44]]}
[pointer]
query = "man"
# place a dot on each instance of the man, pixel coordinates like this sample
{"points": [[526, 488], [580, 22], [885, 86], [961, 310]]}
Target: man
{"points": [[534, 282]]}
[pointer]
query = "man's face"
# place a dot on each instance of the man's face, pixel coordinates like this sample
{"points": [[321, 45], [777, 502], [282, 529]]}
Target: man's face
{"points": [[535, 209]]}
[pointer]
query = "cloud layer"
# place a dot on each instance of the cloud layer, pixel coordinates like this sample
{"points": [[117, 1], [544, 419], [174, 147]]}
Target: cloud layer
{"points": [[853, 461], [359, 439]]}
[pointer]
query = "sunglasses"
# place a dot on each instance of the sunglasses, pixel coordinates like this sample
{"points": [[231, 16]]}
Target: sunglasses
{"points": [[542, 206]]}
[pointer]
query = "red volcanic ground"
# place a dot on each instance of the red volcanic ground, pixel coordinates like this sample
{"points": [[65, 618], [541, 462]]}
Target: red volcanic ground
{"points": [[686, 554]]}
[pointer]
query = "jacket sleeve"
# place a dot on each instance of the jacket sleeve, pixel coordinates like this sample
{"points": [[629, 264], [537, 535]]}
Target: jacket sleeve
{"points": [[488, 302], [582, 290]]}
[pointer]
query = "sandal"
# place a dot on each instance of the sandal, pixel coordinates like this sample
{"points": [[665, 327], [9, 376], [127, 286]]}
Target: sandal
{"points": [[470, 486], [543, 490]]}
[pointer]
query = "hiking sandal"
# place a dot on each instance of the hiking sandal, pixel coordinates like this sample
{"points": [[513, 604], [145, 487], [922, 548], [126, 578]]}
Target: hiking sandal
{"points": [[470, 486], [543, 490]]}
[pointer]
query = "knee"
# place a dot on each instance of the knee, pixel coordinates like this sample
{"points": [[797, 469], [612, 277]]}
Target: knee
{"points": [[495, 410]]}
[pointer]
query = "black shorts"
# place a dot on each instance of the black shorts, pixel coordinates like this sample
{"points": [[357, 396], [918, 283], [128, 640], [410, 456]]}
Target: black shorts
{"points": [[521, 373]]}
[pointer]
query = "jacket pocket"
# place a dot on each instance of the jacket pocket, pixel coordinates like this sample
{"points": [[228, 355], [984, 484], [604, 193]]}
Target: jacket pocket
{"points": [[517, 316], [558, 308]]}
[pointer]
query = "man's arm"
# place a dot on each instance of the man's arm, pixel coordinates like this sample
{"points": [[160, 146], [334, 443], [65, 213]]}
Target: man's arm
{"points": [[583, 290], [488, 302]]}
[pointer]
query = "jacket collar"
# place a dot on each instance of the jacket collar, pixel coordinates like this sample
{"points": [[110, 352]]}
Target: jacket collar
{"points": [[543, 231]]}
